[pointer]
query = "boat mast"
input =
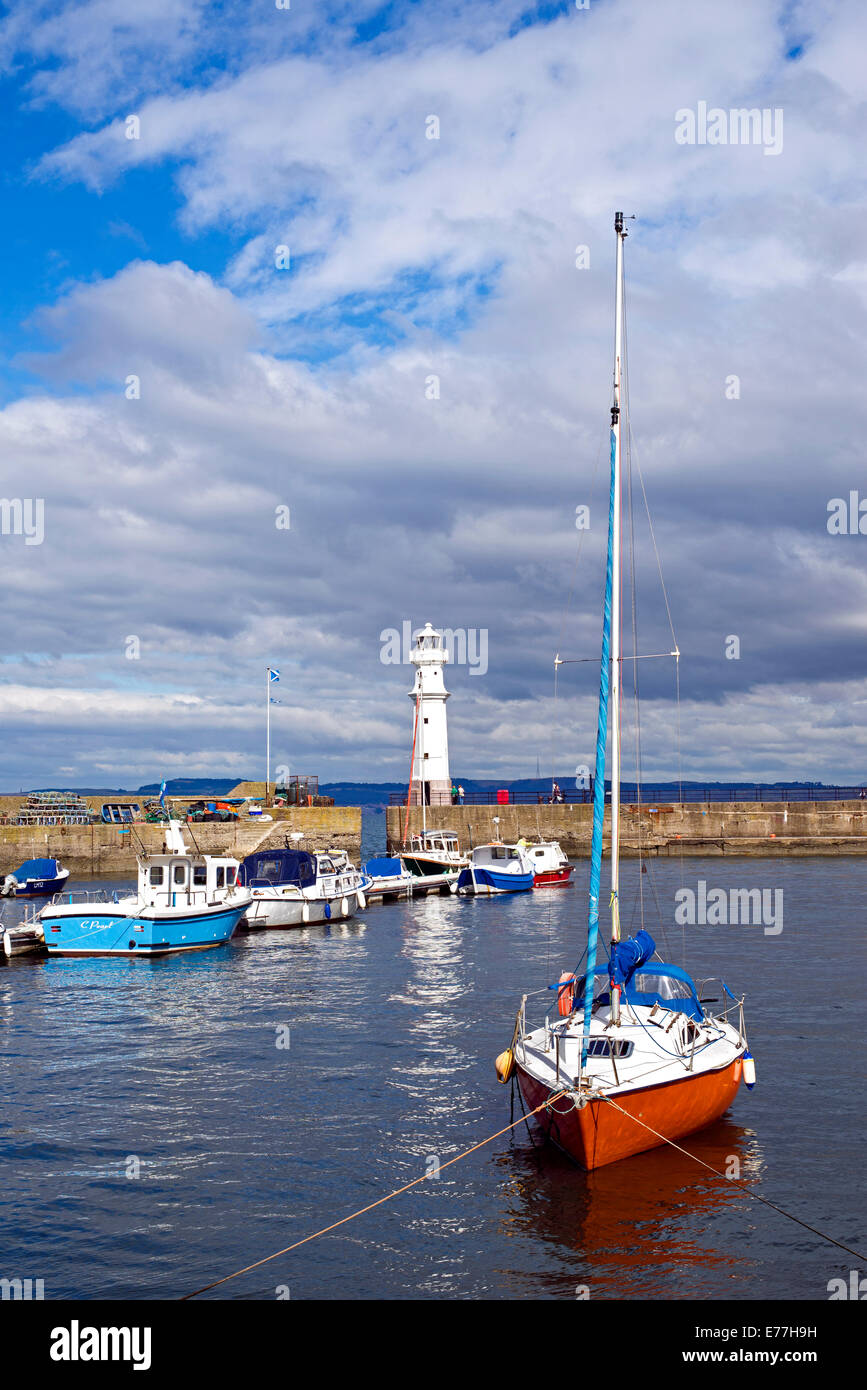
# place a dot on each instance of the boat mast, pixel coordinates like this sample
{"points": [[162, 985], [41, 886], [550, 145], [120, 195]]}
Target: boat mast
{"points": [[616, 637]]}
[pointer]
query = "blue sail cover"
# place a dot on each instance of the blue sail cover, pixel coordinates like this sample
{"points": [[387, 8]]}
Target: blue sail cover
{"points": [[627, 956], [599, 782]]}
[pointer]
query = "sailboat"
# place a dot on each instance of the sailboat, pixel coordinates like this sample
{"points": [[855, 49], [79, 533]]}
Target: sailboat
{"points": [[632, 1059]]}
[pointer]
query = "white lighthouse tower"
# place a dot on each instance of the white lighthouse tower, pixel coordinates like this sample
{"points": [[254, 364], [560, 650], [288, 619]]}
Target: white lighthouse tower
{"points": [[432, 784]]}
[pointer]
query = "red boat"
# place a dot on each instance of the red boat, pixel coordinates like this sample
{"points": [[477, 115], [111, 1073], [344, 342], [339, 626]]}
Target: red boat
{"points": [[551, 868]]}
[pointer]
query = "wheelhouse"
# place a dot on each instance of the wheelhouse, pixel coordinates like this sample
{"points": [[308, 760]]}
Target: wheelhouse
{"points": [[184, 880]]}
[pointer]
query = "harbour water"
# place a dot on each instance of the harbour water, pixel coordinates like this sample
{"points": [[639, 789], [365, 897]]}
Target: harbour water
{"points": [[167, 1122]]}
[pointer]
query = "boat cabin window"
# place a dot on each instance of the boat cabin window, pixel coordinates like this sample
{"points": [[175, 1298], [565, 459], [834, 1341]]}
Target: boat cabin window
{"points": [[539, 853], [325, 865], [179, 875], [200, 875], [604, 1047], [156, 876], [663, 985], [221, 876]]}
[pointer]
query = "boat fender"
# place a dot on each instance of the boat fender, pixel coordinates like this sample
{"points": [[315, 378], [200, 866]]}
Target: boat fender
{"points": [[565, 994], [749, 1070], [305, 912], [362, 900], [327, 910], [505, 1066], [344, 907]]}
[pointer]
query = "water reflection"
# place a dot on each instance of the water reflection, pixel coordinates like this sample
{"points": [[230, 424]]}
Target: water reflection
{"points": [[636, 1226]]}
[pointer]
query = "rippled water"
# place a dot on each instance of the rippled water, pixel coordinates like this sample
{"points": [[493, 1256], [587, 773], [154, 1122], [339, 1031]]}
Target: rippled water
{"points": [[243, 1147]]}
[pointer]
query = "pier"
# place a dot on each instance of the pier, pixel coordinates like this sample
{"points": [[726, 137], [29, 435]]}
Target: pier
{"points": [[100, 848], [704, 828]]}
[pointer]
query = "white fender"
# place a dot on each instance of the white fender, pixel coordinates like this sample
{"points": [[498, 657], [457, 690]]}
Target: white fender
{"points": [[362, 900], [305, 912], [344, 906]]}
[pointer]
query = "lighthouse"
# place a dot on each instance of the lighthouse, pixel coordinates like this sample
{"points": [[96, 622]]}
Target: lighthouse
{"points": [[431, 781]]}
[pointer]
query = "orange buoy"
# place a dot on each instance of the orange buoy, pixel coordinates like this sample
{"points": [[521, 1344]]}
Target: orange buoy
{"points": [[565, 994], [505, 1065]]}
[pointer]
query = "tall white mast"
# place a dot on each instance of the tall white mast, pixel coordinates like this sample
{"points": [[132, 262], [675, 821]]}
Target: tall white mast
{"points": [[616, 639], [267, 732]]}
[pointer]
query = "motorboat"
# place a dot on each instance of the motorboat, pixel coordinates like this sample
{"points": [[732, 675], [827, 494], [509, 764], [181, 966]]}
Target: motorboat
{"points": [[434, 852], [184, 901], [291, 887], [551, 868], [35, 878], [497, 868]]}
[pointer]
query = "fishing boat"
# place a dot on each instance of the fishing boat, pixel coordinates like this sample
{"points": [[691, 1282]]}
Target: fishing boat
{"points": [[434, 852], [632, 1058], [35, 878], [184, 901], [497, 868], [291, 888], [551, 868]]}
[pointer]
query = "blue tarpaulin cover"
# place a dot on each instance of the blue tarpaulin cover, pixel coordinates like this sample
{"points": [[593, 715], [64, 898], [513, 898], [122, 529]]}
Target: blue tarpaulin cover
{"points": [[382, 868], [37, 868], [272, 866]]}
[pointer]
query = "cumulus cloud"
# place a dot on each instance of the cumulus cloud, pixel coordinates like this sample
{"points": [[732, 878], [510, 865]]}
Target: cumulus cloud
{"points": [[452, 262]]}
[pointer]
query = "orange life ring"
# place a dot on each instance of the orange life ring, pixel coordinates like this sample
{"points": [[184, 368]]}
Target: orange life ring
{"points": [[565, 994]]}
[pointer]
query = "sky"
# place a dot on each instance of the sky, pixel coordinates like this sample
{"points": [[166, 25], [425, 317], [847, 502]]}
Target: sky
{"points": [[306, 332]]}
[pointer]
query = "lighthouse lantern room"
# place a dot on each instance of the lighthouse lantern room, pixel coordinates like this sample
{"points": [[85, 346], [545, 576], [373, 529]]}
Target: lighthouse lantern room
{"points": [[431, 783]]}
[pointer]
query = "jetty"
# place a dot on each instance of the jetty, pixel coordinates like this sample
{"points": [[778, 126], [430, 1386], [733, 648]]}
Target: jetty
{"points": [[708, 828], [86, 844]]}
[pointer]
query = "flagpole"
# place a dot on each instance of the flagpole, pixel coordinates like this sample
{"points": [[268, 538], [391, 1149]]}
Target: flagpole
{"points": [[267, 732]]}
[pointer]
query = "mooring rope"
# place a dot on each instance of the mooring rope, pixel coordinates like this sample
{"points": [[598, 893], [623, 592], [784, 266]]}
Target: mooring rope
{"points": [[730, 1178], [387, 1198], [546, 1105]]}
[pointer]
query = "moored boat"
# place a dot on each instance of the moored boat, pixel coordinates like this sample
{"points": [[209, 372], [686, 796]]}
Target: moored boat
{"points": [[497, 868], [291, 888], [633, 1060], [551, 868], [434, 852], [35, 878], [185, 901]]}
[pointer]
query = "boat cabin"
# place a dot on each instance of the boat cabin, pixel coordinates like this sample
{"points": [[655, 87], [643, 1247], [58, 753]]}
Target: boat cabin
{"points": [[508, 858], [439, 842], [185, 880], [652, 983], [269, 867]]}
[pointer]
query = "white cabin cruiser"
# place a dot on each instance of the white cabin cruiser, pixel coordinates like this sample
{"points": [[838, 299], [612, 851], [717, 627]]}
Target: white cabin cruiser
{"points": [[291, 888]]}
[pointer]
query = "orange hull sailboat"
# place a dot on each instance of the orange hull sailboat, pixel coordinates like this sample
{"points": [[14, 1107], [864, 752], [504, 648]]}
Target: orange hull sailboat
{"points": [[632, 1060]]}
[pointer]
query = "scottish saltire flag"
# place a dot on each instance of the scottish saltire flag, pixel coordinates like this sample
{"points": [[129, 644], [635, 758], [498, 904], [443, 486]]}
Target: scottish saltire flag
{"points": [[275, 675], [275, 702]]}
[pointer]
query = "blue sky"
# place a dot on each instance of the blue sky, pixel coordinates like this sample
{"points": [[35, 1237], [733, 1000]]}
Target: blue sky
{"points": [[415, 260]]}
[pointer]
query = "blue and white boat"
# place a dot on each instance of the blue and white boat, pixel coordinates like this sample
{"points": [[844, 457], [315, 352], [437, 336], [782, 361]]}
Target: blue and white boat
{"points": [[35, 878], [497, 868], [185, 901]]}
